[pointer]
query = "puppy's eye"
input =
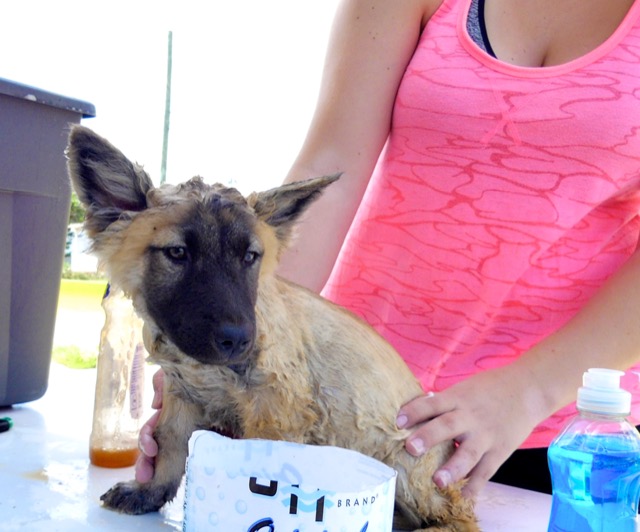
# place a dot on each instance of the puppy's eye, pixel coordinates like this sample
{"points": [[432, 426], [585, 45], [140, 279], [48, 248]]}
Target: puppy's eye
{"points": [[250, 257], [176, 253]]}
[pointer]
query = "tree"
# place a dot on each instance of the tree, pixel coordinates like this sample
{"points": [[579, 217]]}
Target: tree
{"points": [[76, 213]]}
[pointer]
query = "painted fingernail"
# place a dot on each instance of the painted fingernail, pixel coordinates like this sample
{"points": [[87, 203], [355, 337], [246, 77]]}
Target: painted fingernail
{"points": [[401, 421], [416, 446], [442, 478]]}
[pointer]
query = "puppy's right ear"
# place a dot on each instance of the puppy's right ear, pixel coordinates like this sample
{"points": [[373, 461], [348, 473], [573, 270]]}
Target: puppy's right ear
{"points": [[106, 182]]}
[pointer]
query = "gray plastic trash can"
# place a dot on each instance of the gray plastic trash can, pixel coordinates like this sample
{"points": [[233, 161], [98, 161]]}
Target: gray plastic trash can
{"points": [[34, 210]]}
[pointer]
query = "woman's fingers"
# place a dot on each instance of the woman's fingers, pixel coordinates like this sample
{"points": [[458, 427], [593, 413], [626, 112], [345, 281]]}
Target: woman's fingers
{"points": [[145, 468], [416, 411], [482, 415], [158, 387], [145, 464]]}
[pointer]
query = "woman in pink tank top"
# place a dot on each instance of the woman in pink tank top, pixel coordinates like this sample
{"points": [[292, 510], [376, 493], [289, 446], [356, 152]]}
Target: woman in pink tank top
{"points": [[487, 219], [488, 216]]}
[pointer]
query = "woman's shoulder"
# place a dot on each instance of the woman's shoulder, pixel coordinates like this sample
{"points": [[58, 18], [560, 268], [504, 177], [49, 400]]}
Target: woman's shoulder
{"points": [[424, 8]]}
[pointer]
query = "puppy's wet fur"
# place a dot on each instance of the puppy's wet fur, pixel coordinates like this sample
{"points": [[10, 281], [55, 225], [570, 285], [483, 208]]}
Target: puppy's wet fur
{"points": [[245, 352]]}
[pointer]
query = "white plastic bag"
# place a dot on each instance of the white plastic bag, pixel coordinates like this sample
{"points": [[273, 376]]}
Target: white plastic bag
{"points": [[275, 486]]}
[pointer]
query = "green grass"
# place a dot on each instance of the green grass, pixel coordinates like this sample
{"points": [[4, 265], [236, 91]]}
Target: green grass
{"points": [[81, 295], [86, 297], [72, 357]]}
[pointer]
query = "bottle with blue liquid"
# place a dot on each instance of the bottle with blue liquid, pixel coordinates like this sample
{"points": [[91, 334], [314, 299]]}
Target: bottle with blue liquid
{"points": [[595, 461]]}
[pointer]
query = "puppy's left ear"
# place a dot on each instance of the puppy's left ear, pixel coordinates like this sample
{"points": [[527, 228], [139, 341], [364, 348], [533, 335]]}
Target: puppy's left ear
{"points": [[282, 206]]}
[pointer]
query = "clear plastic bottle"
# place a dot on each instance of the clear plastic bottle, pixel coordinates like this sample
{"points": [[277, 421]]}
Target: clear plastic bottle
{"points": [[118, 411], [595, 461]]}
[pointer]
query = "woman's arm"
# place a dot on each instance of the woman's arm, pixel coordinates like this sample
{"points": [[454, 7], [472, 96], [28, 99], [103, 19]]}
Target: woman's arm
{"points": [[371, 44], [493, 412]]}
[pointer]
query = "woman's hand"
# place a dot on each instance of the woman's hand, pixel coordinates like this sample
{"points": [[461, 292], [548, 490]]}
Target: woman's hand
{"points": [[145, 464], [492, 413], [487, 415]]}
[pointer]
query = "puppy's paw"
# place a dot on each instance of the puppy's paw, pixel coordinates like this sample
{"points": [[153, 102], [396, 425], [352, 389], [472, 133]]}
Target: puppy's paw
{"points": [[134, 498]]}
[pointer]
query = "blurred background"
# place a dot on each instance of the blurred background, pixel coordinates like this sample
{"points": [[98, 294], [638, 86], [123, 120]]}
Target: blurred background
{"points": [[245, 76], [244, 82]]}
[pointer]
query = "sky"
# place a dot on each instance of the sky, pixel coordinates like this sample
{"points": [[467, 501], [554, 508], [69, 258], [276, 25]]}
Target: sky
{"points": [[245, 77]]}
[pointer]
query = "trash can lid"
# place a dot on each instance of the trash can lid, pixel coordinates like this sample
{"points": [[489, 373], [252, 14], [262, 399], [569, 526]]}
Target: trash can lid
{"points": [[18, 90]]}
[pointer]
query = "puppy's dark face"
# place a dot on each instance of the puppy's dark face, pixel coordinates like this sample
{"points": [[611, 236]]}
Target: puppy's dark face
{"points": [[191, 256], [200, 280]]}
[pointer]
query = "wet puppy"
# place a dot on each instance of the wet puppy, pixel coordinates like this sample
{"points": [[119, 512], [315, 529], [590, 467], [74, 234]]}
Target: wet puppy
{"points": [[245, 352]]}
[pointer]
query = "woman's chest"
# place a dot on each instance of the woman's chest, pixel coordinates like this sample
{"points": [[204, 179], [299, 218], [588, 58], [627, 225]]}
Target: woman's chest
{"points": [[545, 33]]}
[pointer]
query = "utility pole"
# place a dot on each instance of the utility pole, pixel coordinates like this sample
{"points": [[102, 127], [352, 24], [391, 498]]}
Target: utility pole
{"points": [[167, 112]]}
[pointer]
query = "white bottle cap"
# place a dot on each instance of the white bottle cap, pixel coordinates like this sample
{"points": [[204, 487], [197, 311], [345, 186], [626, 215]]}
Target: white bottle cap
{"points": [[601, 392]]}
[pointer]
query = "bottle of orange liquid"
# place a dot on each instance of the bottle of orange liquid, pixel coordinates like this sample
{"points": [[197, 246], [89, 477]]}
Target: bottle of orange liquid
{"points": [[118, 411]]}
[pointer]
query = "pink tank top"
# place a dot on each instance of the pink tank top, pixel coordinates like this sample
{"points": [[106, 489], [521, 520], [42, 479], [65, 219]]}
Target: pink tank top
{"points": [[504, 198]]}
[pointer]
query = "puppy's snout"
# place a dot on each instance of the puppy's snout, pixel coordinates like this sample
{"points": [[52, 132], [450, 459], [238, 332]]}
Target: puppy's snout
{"points": [[233, 340]]}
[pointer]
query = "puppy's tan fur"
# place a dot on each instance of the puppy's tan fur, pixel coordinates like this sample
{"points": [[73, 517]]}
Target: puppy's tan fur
{"points": [[311, 372]]}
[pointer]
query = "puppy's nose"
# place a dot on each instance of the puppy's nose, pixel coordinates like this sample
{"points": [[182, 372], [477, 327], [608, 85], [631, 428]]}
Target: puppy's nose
{"points": [[233, 340]]}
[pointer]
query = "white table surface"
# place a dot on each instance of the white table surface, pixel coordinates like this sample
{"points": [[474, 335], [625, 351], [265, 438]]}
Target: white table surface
{"points": [[48, 484]]}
